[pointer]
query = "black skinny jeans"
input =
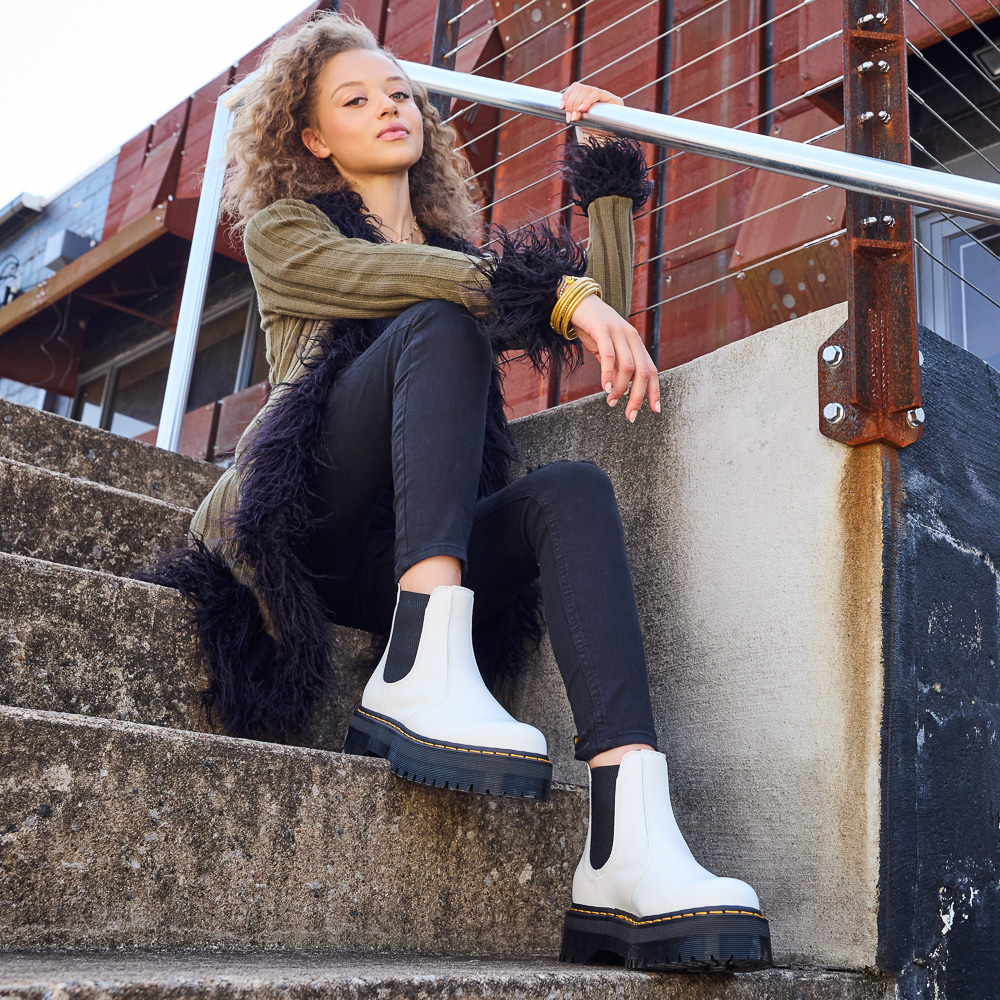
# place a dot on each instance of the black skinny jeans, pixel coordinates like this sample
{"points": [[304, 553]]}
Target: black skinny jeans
{"points": [[404, 431]]}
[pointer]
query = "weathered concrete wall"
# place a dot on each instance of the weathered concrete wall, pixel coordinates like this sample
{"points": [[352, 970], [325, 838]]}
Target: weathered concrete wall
{"points": [[756, 551]]}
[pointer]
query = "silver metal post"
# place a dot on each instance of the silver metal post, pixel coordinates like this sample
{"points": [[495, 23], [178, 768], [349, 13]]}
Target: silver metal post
{"points": [[897, 181], [175, 394]]}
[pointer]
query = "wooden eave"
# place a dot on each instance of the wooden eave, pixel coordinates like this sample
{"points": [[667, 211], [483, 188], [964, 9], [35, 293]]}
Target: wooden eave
{"points": [[167, 217]]}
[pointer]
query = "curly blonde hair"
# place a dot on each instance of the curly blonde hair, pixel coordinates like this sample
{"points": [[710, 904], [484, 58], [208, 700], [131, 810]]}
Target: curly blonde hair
{"points": [[268, 160]]}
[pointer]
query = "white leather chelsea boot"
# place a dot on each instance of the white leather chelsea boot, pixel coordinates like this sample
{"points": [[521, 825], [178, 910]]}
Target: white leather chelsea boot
{"points": [[639, 896], [427, 710]]}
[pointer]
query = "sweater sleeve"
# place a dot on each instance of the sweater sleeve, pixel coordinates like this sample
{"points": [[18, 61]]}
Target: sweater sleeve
{"points": [[609, 181], [304, 266]]}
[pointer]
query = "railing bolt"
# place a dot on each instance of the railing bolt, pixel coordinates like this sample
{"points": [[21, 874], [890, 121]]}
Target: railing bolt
{"points": [[884, 117], [866, 66], [834, 413], [889, 220], [883, 66], [865, 116], [868, 18], [915, 417], [833, 355], [869, 220]]}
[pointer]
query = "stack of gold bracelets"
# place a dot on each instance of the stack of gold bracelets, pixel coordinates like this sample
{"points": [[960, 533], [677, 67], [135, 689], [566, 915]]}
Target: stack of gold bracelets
{"points": [[571, 292]]}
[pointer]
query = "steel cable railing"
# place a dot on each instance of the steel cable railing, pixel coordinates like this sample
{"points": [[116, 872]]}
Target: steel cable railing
{"points": [[739, 275], [896, 181], [948, 216], [678, 113], [965, 197]]}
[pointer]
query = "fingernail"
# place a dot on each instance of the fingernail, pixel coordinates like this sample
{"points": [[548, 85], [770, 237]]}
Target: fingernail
{"points": [[632, 415], [611, 402], [607, 387], [656, 406]]}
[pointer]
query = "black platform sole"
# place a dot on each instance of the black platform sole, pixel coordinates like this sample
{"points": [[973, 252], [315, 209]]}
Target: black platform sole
{"points": [[488, 770], [723, 939]]}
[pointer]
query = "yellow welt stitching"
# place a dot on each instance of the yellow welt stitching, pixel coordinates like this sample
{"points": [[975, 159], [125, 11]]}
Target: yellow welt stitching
{"points": [[444, 746], [660, 920]]}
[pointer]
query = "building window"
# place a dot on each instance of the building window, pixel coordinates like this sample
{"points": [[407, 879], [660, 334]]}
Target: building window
{"points": [[127, 396], [957, 291]]}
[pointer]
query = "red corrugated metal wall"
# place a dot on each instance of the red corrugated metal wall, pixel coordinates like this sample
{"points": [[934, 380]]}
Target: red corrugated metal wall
{"points": [[715, 57]]}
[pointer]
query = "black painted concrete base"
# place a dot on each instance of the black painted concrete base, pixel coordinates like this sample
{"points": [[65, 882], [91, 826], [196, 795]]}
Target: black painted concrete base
{"points": [[939, 903]]}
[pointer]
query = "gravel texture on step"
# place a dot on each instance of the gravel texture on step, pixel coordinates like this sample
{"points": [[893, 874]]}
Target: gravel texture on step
{"points": [[51, 516], [116, 834], [87, 642], [60, 445], [376, 977]]}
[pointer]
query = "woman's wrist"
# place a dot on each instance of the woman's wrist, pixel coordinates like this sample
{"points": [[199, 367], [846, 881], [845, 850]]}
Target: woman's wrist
{"points": [[571, 291]]}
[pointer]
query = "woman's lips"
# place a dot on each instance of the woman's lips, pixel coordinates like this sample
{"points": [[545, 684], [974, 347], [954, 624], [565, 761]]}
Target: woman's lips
{"points": [[397, 132]]}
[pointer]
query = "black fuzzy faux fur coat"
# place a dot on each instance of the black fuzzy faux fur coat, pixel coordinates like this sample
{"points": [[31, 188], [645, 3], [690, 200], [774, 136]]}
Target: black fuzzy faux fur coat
{"points": [[267, 669]]}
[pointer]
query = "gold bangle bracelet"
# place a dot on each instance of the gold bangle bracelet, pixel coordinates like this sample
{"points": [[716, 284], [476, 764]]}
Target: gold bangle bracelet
{"points": [[580, 289], [576, 289], [565, 326]]}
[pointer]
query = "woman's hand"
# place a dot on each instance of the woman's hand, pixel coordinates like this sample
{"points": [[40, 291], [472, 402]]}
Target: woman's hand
{"points": [[621, 352], [577, 99]]}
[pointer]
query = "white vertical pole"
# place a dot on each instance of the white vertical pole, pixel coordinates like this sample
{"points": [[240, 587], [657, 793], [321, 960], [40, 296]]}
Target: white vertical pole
{"points": [[195, 283]]}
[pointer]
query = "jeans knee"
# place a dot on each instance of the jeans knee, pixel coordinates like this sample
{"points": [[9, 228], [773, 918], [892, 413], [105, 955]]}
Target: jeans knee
{"points": [[450, 330], [574, 486]]}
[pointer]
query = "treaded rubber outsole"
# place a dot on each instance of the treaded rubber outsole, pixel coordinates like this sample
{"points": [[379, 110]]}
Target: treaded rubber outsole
{"points": [[722, 939], [486, 770]]}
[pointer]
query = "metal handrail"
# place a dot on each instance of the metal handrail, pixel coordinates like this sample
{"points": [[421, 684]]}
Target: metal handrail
{"points": [[897, 181]]}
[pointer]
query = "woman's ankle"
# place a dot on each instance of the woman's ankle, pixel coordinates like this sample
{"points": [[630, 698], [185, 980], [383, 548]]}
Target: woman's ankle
{"points": [[615, 754], [434, 571]]}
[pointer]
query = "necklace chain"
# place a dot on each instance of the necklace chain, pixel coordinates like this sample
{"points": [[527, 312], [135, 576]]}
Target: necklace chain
{"points": [[408, 236]]}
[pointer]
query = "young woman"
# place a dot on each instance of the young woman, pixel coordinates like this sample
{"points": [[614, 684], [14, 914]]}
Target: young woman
{"points": [[374, 487]]}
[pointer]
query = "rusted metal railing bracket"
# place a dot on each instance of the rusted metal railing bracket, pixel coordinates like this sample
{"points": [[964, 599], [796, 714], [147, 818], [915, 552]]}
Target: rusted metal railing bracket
{"points": [[869, 370]]}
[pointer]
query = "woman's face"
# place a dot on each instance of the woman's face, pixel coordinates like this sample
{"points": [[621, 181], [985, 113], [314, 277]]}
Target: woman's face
{"points": [[366, 119]]}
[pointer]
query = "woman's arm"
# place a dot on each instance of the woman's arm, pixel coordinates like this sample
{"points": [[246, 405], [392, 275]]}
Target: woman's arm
{"points": [[610, 181], [304, 266]]}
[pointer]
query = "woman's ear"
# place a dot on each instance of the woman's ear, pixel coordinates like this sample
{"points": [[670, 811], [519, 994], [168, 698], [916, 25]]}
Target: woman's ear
{"points": [[315, 144]]}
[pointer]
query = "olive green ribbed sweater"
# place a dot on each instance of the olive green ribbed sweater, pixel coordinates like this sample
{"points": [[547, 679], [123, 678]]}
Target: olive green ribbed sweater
{"points": [[307, 272]]}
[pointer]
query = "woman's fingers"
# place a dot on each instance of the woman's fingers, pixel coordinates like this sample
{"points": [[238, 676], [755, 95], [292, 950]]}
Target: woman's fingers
{"points": [[622, 355], [644, 376], [579, 98], [646, 380], [606, 355], [624, 366]]}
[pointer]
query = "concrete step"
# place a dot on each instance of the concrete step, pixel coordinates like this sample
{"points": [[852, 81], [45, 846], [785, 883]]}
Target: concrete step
{"points": [[60, 445], [365, 977], [52, 516], [87, 642], [84, 641], [121, 835]]}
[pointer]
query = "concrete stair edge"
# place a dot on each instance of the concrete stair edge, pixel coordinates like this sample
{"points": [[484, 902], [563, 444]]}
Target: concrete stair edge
{"points": [[86, 642], [208, 976], [124, 835], [53, 516], [55, 476], [49, 441]]}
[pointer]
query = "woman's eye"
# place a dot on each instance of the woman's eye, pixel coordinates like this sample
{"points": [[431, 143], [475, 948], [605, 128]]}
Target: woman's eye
{"points": [[398, 93]]}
